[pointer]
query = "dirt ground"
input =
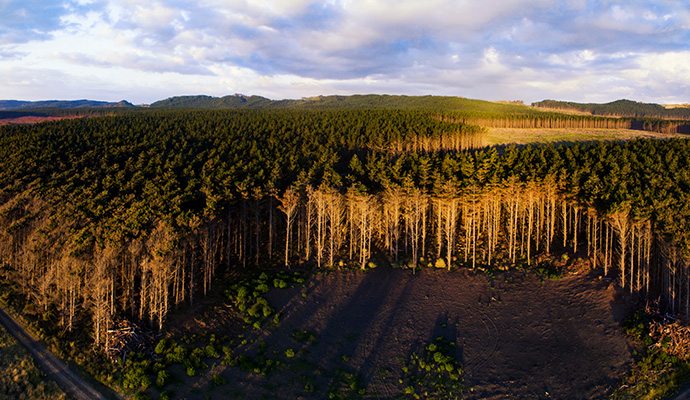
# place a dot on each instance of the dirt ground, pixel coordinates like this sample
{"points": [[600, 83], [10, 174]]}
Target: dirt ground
{"points": [[517, 336]]}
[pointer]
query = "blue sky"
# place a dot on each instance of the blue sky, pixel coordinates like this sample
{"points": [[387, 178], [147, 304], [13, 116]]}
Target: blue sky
{"points": [[142, 51]]}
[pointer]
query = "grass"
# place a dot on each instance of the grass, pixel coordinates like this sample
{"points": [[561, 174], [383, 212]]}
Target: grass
{"points": [[20, 378], [498, 136]]}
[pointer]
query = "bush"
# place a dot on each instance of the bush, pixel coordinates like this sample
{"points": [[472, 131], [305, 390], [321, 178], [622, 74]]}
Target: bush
{"points": [[210, 352], [140, 395], [289, 353], [136, 376], [161, 347], [262, 288], [177, 355], [219, 380], [279, 283], [163, 378], [191, 371]]}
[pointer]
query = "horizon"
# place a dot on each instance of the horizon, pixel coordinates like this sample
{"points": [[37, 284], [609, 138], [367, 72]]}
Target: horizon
{"points": [[528, 50], [324, 95]]}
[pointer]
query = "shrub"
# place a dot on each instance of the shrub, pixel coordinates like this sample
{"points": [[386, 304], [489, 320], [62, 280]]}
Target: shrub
{"points": [[161, 347], [140, 395], [211, 352], [177, 355], [262, 288], [219, 380], [279, 283], [289, 353], [163, 378]]}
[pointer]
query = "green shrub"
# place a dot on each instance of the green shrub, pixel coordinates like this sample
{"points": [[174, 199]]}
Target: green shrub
{"points": [[279, 283], [219, 380], [140, 395], [161, 347], [210, 352], [262, 288], [267, 311], [163, 378], [289, 353], [177, 355]]}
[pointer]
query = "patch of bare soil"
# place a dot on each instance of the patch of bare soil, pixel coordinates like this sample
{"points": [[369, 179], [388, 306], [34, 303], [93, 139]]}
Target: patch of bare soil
{"points": [[518, 337]]}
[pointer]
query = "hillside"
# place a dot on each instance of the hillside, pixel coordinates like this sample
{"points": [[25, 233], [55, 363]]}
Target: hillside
{"points": [[367, 101], [24, 105], [618, 108]]}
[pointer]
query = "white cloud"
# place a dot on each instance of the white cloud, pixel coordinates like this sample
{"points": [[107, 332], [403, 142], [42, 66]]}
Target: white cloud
{"points": [[529, 49]]}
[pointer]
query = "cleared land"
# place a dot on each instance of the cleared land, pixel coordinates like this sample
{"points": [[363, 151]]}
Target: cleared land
{"points": [[502, 136], [352, 332]]}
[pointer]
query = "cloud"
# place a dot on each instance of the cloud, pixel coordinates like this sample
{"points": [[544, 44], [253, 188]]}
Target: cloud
{"points": [[26, 20], [494, 50]]}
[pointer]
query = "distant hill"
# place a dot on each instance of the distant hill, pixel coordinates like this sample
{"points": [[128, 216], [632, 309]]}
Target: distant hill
{"points": [[6, 105], [367, 101], [618, 108], [209, 102]]}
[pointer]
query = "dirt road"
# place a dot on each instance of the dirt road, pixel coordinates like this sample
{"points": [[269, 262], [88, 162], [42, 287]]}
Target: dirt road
{"points": [[68, 380]]}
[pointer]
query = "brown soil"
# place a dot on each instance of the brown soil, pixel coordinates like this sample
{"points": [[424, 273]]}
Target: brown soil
{"points": [[518, 337]]}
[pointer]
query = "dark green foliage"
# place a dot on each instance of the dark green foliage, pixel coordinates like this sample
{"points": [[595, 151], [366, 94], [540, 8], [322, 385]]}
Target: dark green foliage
{"points": [[111, 180], [163, 378], [434, 373], [219, 380], [303, 336], [141, 395], [248, 295], [136, 374], [620, 108]]}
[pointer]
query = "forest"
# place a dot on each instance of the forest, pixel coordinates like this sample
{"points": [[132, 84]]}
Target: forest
{"points": [[619, 108], [125, 217]]}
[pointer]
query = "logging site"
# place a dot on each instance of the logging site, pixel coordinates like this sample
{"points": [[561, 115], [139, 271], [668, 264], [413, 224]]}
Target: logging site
{"points": [[347, 247]]}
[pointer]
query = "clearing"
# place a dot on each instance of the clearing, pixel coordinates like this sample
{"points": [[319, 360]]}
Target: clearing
{"points": [[352, 333], [504, 136]]}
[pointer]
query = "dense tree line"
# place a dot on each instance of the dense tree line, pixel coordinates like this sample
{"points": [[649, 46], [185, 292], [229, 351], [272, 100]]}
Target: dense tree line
{"points": [[619, 108], [129, 216], [567, 121]]}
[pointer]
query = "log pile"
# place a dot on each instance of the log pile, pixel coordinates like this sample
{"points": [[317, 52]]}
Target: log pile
{"points": [[128, 337], [673, 333]]}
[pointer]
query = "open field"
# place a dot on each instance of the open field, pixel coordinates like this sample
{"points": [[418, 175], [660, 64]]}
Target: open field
{"points": [[499, 136]]}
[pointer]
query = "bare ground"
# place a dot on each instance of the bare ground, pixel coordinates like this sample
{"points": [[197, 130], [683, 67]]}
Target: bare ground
{"points": [[518, 337]]}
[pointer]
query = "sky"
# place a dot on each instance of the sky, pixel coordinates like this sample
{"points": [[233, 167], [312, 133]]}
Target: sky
{"points": [[530, 50]]}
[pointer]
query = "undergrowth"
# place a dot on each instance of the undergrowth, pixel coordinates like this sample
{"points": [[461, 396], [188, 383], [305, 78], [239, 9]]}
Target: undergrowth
{"points": [[434, 373], [656, 373]]}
